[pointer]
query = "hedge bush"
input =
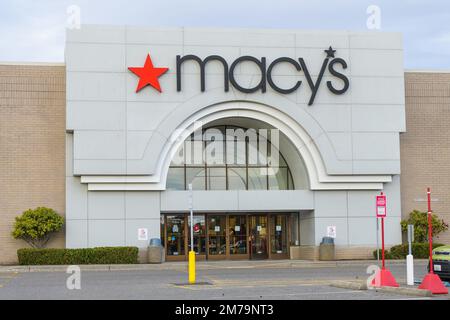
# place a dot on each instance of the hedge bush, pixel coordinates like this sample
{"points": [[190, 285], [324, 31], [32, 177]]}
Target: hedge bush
{"points": [[419, 251], [100, 255]]}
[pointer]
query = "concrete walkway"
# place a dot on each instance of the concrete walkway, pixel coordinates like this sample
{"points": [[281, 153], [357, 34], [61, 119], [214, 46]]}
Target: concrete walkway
{"points": [[208, 265]]}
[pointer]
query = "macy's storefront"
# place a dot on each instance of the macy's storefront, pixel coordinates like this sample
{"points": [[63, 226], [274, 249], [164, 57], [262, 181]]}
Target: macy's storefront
{"points": [[280, 134]]}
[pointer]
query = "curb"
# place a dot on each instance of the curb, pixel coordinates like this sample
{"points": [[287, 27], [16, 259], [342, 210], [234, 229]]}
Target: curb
{"points": [[362, 285], [300, 264], [406, 291]]}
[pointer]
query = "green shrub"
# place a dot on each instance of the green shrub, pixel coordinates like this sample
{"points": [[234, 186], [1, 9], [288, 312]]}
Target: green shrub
{"points": [[36, 226], [101, 255], [419, 251], [387, 254], [420, 221]]}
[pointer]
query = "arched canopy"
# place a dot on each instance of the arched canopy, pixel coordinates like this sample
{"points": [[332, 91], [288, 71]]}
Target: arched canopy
{"points": [[292, 137], [237, 154], [302, 134]]}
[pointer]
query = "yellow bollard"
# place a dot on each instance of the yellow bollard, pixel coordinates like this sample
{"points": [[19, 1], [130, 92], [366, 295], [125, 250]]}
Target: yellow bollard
{"points": [[191, 267]]}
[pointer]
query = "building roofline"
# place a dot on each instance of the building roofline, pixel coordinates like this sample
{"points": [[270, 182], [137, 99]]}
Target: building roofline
{"points": [[31, 63], [426, 71]]}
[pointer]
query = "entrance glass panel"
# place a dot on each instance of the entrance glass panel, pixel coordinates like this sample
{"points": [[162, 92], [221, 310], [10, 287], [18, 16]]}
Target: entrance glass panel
{"points": [[217, 235], [197, 177], [175, 235], [237, 235], [229, 236], [257, 178], [199, 234], [237, 178], [258, 237], [217, 179], [279, 234]]}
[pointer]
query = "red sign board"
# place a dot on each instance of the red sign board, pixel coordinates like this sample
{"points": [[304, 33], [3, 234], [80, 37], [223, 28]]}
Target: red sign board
{"points": [[381, 206]]}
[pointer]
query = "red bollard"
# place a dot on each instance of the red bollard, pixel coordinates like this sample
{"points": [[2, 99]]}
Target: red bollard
{"points": [[432, 281]]}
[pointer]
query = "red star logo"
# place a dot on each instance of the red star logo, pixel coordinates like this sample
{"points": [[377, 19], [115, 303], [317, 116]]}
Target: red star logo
{"points": [[148, 75]]}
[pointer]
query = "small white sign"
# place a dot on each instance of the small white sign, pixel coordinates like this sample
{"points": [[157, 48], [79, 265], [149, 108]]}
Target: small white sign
{"points": [[381, 211], [217, 228], [258, 228], [331, 232], [143, 234], [175, 228], [437, 267], [237, 228], [278, 228]]}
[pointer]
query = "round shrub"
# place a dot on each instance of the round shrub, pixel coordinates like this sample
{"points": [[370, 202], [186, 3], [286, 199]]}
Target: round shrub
{"points": [[36, 226]]}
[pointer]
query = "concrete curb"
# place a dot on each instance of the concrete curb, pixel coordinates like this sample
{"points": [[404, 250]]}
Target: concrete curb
{"points": [[202, 265], [353, 285], [362, 285], [406, 291]]}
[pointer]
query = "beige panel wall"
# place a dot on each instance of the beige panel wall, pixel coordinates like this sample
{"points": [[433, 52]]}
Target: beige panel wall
{"points": [[32, 147], [425, 147]]}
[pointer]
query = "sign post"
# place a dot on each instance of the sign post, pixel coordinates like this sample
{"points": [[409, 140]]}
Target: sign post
{"points": [[378, 241], [381, 213], [383, 277], [432, 281], [409, 257], [191, 252]]}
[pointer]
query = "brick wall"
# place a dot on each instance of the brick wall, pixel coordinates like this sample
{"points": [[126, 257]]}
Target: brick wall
{"points": [[32, 147], [425, 147]]}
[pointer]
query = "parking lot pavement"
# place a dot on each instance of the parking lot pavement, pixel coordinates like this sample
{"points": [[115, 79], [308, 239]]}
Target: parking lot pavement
{"points": [[227, 283]]}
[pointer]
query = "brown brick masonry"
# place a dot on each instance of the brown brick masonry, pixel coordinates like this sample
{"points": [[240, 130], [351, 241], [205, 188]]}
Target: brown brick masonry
{"points": [[425, 147], [32, 147]]}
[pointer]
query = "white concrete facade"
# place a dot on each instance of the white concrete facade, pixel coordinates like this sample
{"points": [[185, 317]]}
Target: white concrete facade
{"points": [[120, 143]]}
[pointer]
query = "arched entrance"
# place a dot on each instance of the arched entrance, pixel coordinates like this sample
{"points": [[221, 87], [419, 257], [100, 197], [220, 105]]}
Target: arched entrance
{"points": [[233, 154]]}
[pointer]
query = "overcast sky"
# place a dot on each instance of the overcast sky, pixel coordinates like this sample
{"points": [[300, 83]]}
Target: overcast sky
{"points": [[34, 30]]}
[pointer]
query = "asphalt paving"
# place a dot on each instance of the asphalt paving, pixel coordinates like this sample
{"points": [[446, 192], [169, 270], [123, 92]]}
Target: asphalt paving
{"points": [[234, 283]]}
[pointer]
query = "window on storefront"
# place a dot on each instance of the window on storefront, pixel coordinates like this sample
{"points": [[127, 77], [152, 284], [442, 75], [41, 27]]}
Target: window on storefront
{"points": [[278, 234], [199, 231], [216, 160], [237, 234], [217, 235], [175, 242]]}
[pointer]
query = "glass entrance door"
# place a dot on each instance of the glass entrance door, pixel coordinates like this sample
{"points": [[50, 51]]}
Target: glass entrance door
{"points": [[279, 245], [199, 230], [227, 236], [237, 237], [217, 244], [175, 237], [258, 237]]}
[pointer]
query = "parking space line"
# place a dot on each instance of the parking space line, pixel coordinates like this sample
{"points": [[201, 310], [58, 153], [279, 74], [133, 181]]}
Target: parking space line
{"points": [[8, 277]]}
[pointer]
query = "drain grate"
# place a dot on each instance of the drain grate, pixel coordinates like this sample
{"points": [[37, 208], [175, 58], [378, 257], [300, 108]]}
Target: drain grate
{"points": [[202, 283]]}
